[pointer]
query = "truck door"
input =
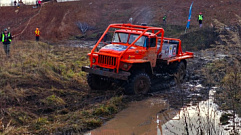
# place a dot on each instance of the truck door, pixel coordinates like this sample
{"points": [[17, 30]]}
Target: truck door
{"points": [[152, 51]]}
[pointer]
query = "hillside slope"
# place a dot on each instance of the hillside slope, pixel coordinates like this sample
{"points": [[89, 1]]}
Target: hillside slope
{"points": [[57, 21]]}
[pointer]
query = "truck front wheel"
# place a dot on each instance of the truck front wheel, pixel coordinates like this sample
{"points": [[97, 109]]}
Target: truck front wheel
{"points": [[139, 83], [97, 82], [180, 73]]}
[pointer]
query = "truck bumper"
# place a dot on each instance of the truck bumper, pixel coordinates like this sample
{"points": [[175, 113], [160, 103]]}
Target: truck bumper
{"points": [[122, 75]]}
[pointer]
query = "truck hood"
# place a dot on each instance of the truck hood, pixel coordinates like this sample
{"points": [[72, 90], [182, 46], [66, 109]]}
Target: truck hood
{"points": [[115, 49]]}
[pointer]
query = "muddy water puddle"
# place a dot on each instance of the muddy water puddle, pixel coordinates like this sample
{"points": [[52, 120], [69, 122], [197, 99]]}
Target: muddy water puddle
{"points": [[156, 116], [78, 43], [138, 118]]}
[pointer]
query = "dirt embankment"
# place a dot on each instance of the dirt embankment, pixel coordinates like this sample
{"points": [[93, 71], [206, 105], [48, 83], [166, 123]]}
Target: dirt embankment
{"points": [[57, 21]]}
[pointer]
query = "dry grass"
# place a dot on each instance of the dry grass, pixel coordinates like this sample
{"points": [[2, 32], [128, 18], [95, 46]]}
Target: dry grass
{"points": [[38, 62], [43, 90]]}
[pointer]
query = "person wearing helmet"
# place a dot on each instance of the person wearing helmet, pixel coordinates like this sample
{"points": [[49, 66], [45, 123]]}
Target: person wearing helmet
{"points": [[200, 19], [37, 34], [6, 40]]}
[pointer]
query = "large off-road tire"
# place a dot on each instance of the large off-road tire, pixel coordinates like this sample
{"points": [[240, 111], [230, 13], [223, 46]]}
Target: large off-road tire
{"points": [[97, 82], [139, 83], [180, 72]]}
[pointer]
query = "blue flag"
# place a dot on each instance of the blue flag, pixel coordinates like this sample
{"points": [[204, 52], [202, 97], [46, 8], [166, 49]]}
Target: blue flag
{"points": [[190, 15]]}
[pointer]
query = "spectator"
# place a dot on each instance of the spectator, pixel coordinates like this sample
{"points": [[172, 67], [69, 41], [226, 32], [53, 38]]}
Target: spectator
{"points": [[6, 40], [200, 19], [130, 20], [36, 3], [18, 4], [164, 19], [15, 3], [37, 34], [39, 3]]}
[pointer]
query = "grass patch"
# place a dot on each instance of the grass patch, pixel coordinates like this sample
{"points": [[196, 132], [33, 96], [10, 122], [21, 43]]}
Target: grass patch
{"points": [[111, 107], [44, 91], [54, 101], [200, 39], [40, 122]]}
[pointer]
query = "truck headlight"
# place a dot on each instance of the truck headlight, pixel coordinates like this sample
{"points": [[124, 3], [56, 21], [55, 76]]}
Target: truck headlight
{"points": [[93, 60], [125, 66]]}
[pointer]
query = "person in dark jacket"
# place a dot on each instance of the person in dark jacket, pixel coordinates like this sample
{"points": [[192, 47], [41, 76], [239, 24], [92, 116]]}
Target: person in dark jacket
{"points": [[15, 3], [6, 38]]}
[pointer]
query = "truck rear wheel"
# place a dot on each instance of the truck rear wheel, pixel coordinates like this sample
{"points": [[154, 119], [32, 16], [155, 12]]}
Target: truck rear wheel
{"points": [[180, 73], [139, 83], [97, 82]]}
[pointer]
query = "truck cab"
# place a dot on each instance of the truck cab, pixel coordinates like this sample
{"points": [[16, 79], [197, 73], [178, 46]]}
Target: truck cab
{"points": [[135, 54]]}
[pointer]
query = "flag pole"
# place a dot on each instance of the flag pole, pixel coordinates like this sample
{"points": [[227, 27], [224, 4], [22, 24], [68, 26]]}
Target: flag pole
{"points": [[189, 18]]}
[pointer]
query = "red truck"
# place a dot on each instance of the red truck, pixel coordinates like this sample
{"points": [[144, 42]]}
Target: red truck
{"points": [[135, 55]]}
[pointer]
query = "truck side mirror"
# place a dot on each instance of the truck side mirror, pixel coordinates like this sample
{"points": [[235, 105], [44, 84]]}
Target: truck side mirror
{"points": [[147, 43]]}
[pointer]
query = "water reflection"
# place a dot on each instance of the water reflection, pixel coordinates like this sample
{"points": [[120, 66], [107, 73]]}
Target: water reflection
{"points": [[138, 118], [155, 117], [201, 119]]}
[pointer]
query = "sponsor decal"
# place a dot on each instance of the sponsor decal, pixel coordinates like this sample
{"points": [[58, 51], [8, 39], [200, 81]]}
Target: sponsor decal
{"points": [[174, 51], [170, 51]]}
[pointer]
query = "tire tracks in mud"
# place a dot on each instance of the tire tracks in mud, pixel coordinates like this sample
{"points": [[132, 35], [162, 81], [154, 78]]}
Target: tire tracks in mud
{"points": [[167, 88], [144, 15]]}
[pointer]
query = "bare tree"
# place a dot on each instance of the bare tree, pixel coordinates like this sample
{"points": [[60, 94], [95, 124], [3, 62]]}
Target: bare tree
{"points": [[232, 83]]}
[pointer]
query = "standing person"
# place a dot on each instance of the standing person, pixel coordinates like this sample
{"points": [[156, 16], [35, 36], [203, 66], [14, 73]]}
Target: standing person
{"points": [[18, 4], [200, 19], [15, 3], [130, 20], [6, 40], [164, 19], [39, 3], [36, 3], [37, 34]]}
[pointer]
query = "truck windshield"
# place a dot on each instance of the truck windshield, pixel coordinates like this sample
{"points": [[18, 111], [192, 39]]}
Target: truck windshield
{"points": [[120, 38], [139, 42], [123, 38]]}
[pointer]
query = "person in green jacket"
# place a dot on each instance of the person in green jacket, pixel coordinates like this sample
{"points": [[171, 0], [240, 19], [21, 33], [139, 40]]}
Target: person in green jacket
{"points": [[200, 19], [6, 38], [164, 19]]}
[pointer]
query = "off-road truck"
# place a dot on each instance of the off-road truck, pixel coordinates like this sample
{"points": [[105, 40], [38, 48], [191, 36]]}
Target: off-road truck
{"points": [[135, 55]]}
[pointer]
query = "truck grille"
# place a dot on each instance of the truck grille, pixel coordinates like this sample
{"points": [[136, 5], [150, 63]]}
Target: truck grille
{"points": [[107, 60]]}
